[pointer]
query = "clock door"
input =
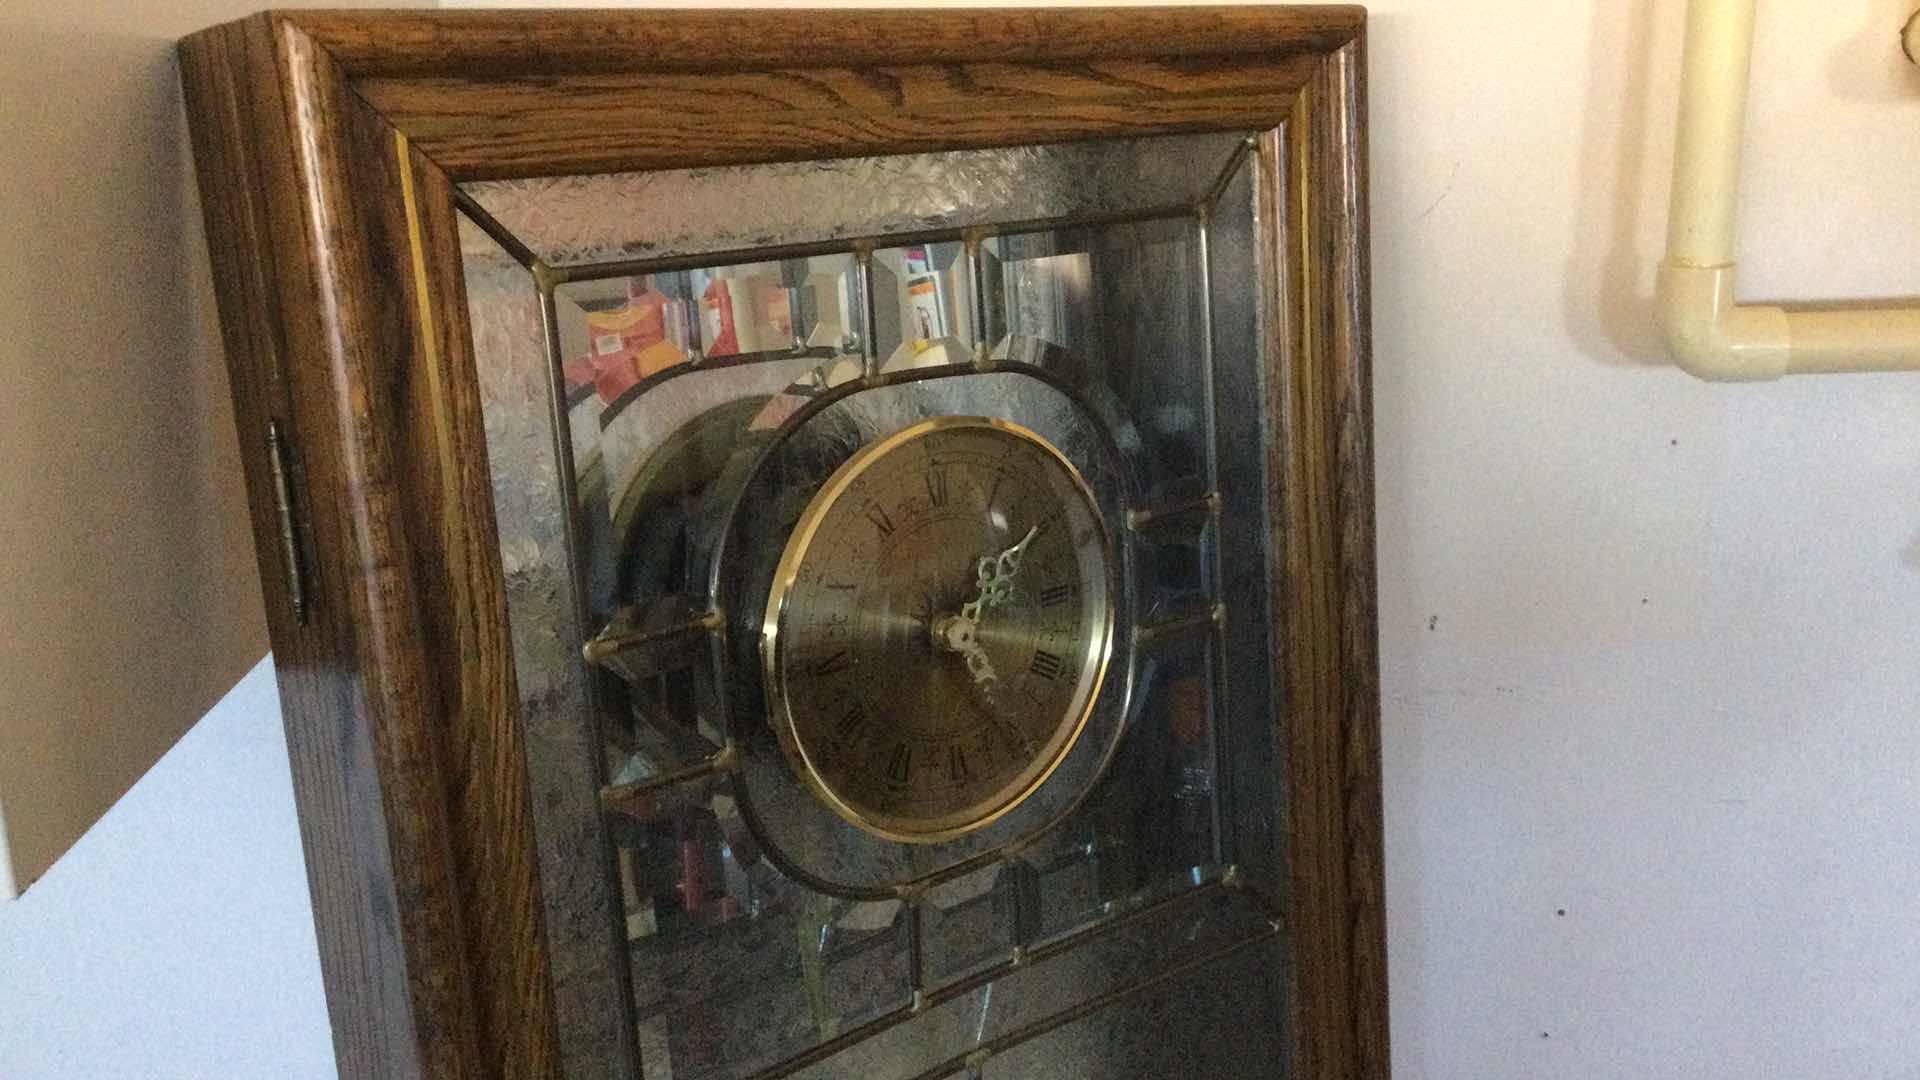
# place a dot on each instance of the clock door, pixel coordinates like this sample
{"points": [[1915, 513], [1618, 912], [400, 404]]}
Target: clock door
{"points": [[888, 559]]}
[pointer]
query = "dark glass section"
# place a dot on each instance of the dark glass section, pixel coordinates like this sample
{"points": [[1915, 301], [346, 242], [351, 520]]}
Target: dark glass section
{"points": [[1096, 973], [735, 967], [1215, 1020], [1250, 747], [968, 923], [1175, 572]]}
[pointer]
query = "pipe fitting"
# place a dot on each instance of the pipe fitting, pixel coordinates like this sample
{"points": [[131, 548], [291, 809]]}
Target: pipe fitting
{"points": [[1710, 335]]}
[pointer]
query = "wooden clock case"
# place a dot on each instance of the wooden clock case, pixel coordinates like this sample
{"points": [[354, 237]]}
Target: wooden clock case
{"points": [[329, 147]]}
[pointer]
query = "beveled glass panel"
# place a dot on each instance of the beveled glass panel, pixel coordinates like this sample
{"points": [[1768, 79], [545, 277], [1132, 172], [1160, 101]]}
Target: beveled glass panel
{"points": [[968, 922], [1098, 972], [1117, 308], [529, 455], [1251, 753], [1218, 1020], [735, 966], [1176, 571], [923, 303], [697, 353], [576, 220]]}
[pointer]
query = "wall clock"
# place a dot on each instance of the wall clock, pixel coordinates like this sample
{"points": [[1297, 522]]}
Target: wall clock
{"points": [[822, 544]]}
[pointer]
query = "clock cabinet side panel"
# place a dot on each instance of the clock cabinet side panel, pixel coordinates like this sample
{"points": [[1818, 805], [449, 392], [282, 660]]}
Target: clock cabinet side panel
{"points": [[342, 829], [1324, 606], [339, 289]]}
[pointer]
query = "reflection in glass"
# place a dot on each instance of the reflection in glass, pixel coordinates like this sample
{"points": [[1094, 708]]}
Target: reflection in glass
{"points": [[1175, 1028], [630, 408], [582, 220], [969, 922]]}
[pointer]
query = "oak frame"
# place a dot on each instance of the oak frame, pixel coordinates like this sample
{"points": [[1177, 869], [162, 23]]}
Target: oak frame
{"points": [[328, 146]]}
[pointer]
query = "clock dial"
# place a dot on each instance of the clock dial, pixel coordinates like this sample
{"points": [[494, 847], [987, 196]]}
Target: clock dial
{"points": [[939, 626]]}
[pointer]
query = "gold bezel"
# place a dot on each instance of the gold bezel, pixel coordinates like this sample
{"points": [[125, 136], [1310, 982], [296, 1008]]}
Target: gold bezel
{"points": [[1096, 658]]}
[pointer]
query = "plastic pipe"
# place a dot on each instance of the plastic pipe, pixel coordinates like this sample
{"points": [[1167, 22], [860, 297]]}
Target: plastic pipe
{"points": [[1910, 38], [1708, 333]]}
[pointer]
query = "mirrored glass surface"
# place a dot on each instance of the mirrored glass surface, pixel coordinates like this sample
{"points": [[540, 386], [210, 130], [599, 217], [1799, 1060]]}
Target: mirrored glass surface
{"points": [[697, 359], [580, 220]]}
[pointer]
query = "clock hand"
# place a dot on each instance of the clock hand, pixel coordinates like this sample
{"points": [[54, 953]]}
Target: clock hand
{"points": [[979, 666], [996, 573], [960, 633], [1008, 564]]}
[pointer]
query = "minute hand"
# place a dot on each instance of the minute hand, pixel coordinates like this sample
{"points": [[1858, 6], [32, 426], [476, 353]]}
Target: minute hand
{"points": [[995, 574]]}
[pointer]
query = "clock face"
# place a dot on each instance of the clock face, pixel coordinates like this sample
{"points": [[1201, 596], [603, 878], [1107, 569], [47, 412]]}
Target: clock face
{"points": [[939, 626]]}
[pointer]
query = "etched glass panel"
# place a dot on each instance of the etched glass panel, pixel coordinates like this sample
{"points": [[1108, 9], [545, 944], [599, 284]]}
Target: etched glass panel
{"points": [[969, 922], [1097, 972], [530, 463], [1171, 1028], [697, 353], [575, 220], [737, 967]]}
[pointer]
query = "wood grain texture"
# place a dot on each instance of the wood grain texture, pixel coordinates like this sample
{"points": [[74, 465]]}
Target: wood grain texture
{"points": [[527, 125], [1325, 608], [492, 44], [412, 787], [342, 822], [328, 144], [484, 766]]}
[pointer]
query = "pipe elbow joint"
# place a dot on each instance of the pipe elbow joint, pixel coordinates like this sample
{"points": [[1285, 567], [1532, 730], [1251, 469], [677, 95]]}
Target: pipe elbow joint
{"points": [[1713, 338]]}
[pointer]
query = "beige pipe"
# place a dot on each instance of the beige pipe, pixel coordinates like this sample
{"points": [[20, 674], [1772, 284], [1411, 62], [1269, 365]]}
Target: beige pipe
{"points": [[1910, 38], [1708, 333]]}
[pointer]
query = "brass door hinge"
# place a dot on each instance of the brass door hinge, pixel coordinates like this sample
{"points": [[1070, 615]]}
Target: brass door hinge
{"points": [[286, 521]]}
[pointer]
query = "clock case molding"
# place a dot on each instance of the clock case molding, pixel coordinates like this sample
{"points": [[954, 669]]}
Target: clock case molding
{"points": [[329, 145]]}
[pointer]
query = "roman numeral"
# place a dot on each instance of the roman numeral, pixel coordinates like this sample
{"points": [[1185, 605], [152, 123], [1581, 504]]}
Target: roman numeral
{"points": [[878, 515], [900, 765], [956, 763], [937, 487], [1045, 664], [834, 664], [1055, 594]]}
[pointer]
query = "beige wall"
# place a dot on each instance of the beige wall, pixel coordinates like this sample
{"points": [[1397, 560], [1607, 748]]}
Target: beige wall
{"points": [[128, 595]]}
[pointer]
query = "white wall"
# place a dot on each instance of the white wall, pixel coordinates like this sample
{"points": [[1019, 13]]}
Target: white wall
{"points": [[175, 941], [1648, 645]]}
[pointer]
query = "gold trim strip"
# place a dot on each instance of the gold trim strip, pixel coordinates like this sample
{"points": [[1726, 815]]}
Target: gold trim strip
{"points": [[452, 505], [616, 796]]}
